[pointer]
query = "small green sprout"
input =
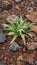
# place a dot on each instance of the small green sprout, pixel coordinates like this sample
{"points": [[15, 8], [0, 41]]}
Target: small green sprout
{"points": [[19, 28]]}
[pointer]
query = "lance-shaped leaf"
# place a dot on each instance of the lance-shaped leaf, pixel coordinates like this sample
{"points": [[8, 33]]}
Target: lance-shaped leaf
{"points": [[14, 38], [10, 33]]}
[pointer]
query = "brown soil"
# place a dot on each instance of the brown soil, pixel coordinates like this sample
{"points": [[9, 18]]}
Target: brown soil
{"points": [[7, 56]]}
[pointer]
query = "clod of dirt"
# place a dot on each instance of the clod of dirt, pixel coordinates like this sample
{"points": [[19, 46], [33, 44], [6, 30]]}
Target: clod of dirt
{"points": [[17, 1], [27, 63], [14, 47], [36, 62], [12, 18], [2, 36], [2, 63], [5, 5], [32, 45]]}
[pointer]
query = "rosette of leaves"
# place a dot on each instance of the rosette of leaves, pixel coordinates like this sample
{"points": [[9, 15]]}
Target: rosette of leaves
{"points": [[19, 28]]}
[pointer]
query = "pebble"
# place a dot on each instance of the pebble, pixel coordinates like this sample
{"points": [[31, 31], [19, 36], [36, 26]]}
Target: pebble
{"points": [[32, 45], [36, 62], [12, 18], [35, 39], [18, 1], [20, 58], [2, 63], [2, 36], [27, 3], [14, 47], [5, 5], [36, 1], [30, 9]]}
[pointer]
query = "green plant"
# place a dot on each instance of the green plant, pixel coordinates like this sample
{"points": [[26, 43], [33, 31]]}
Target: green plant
{"points": [[19, 28]]}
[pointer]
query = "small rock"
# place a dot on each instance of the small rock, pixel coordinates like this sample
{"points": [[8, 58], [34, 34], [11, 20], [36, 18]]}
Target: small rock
{"points": [[18, 1], [5, 5], [14, 47], [32, 45], [32, 16], [27, 63], [20, 58], [2, 63], [2, 36], [36, 62], [27, 3], [30, 9], [12, 18], [35, 39], [34, 28], [36, 1]]}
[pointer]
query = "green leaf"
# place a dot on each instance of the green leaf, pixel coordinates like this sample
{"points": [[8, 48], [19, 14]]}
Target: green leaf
{"points": [[17, 21], [28, 25], [23, 37], [28, 31], [7, 27], [14, 38], [21, 20], [10, 33], [28, 35]]}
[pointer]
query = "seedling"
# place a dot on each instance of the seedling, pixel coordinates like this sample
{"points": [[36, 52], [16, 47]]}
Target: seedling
{"points": [[19, 28]]}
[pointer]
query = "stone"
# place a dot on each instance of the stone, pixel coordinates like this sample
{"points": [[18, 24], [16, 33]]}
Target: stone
{"points": [[5, 5], [17, 1], [27, 3], [2, 36], [32, 16], [36, 1], [35, 38], [30, 9], [34, 28], [2, 63], [32, 45], [20, 58], [14, 47], [12, 18], [36, 62], [27, 63]]}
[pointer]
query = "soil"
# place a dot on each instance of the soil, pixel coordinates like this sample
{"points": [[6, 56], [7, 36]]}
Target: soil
{"points": [[19, 57]]}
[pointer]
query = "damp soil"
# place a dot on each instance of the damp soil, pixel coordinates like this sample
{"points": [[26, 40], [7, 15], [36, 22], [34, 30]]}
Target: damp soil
{"points": [[22, 55]]}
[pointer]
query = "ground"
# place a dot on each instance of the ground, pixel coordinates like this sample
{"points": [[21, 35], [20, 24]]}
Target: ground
{"points": [[7, 56]]}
